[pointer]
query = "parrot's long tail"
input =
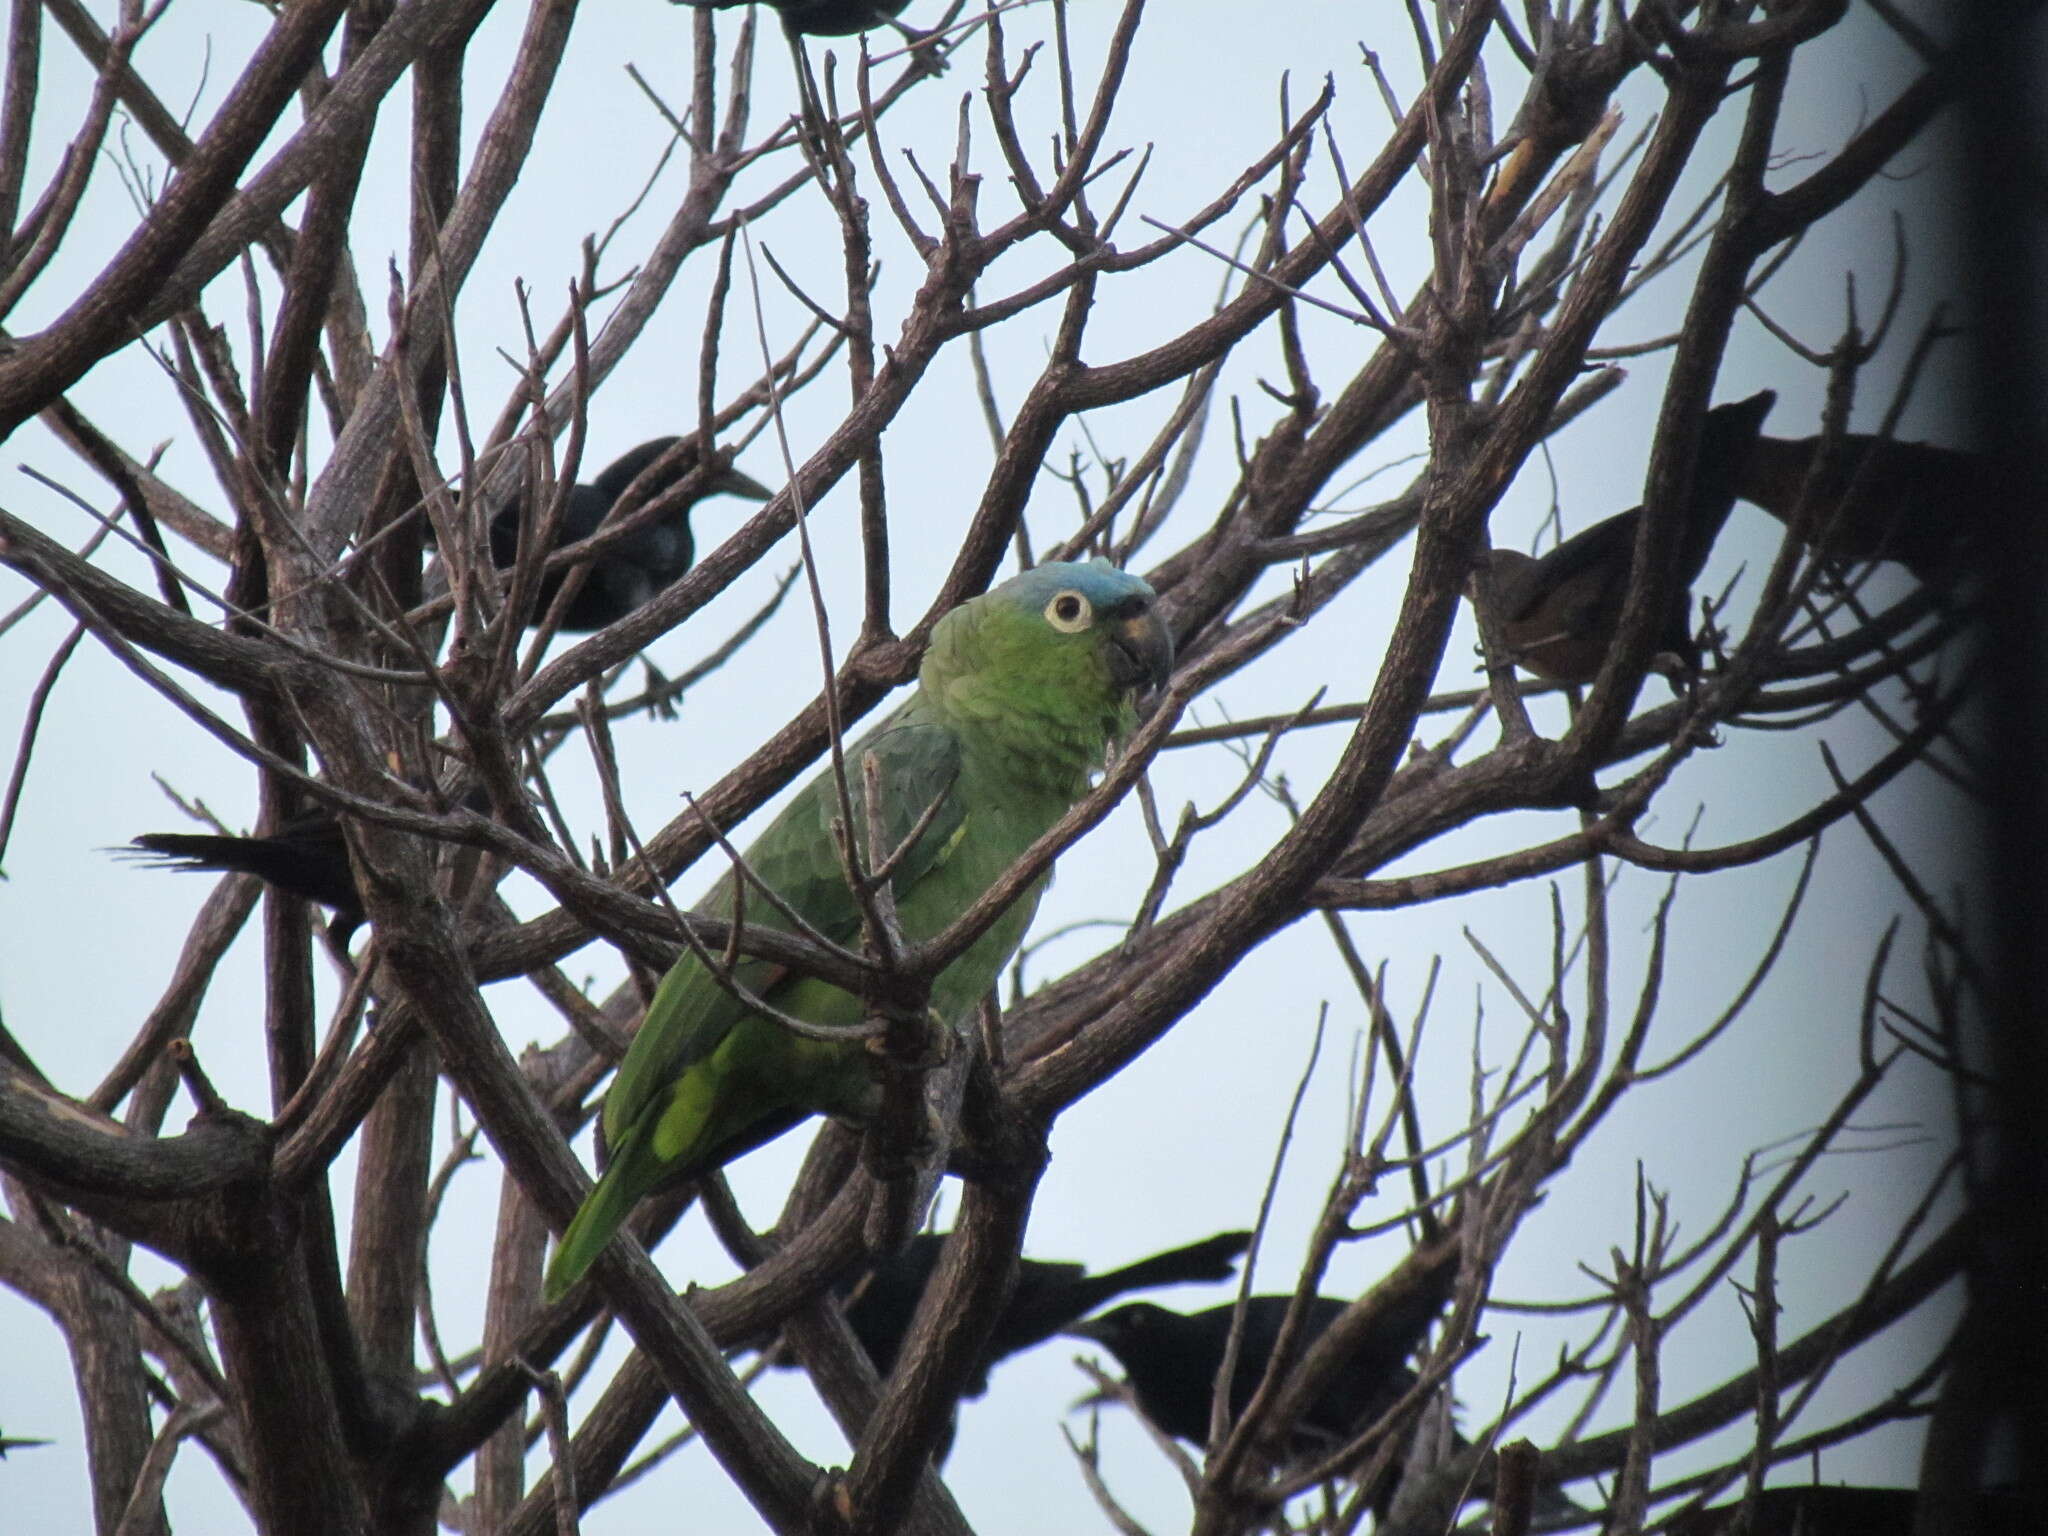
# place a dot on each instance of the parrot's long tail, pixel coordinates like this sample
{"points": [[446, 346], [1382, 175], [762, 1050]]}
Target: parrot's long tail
{"points": [[634, 1173], [597, 1221]]}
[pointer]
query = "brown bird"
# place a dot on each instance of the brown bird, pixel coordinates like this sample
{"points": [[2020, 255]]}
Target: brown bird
{"points": [[1875, 499], [1556, 613]]}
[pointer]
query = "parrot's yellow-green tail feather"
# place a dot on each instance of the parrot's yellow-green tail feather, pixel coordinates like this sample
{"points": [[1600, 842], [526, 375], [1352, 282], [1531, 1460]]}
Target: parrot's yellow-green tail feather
{"points": [[595, 1224]]}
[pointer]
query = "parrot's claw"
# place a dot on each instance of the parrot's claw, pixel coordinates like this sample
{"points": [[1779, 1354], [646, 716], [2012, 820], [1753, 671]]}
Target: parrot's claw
{"points": [[831, 1497], [939, 1044], [940, 1040]]}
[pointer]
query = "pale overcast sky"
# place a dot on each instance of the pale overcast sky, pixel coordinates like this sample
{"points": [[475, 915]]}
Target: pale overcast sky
{"points": [[1179, 1145]]}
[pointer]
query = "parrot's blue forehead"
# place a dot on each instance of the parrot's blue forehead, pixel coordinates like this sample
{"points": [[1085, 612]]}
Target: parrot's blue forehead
{"points": [[1097, 580]]}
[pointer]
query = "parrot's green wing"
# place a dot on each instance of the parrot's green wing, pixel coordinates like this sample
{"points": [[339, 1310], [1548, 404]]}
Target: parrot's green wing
{"points": [[670, 1092], [797, 858]]}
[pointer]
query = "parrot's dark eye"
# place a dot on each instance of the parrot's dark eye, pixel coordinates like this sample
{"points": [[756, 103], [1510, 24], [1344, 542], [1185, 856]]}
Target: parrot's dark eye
{"points": [[1069, 613]]}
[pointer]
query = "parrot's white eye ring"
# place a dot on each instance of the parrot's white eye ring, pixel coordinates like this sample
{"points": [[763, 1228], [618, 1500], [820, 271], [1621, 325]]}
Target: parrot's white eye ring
{"points": [[1069, 612]]}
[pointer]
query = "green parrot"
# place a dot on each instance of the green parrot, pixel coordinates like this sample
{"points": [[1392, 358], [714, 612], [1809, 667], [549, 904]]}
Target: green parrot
{"points": [[1018, 698]]}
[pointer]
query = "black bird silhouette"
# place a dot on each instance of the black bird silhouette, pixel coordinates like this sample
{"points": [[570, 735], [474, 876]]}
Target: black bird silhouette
{"points": [[306, 856], [639, 567], [1877, 499], [818, 18], [1171, 1359], [1048, 1297], [1557, 613]]}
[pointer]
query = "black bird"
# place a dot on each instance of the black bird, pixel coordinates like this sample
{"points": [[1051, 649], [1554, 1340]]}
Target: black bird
{"points": [[306, 856], [1876, 499], [638, 568], [1557, 613], [1172, 1358], [818, 18], [1048, 1297]]}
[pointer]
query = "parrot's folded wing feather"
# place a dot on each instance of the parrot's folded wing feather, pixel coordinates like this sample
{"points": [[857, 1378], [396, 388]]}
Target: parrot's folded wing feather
{"points": [[798, 858], [917, 764], [690, 1013]]}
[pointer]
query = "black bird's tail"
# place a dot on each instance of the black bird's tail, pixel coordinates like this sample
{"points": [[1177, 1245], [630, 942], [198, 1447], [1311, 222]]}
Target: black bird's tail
{"points": [[195, 852], [306, 857], [1050, 1297], [1213, 1258]]}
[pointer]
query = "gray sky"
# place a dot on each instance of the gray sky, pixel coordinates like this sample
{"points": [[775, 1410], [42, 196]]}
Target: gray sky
{"points": [[1180, 1144]]}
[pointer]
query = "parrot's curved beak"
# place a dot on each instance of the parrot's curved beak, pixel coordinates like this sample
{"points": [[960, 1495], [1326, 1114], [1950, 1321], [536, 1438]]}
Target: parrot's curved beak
{"points": [[1140, 648]]}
